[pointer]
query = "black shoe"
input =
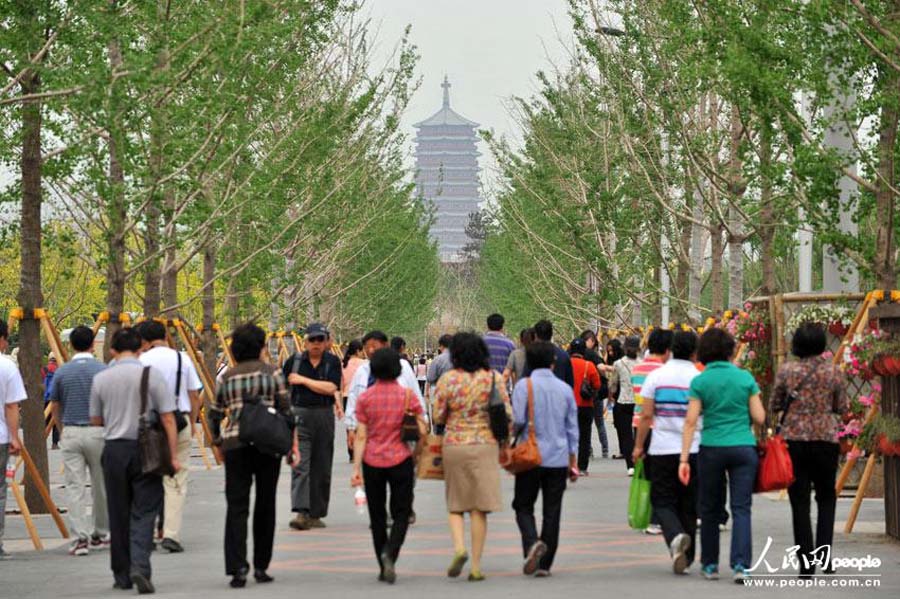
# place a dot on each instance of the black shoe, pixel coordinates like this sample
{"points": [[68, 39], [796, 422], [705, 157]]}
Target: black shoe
{"points": [[261, 576], [171, 545], [387, 569], [412, 518], [239, 580], [143, 584], [123, 586]]}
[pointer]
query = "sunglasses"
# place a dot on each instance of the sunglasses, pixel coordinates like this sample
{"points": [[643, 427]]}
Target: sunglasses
{"points": [[315, 340]]}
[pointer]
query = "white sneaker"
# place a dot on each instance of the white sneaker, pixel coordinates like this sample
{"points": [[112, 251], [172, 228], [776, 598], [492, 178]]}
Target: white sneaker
{"points": [[653, 529], [78, 547], [723, 527], [680, 544], [631, 472]]}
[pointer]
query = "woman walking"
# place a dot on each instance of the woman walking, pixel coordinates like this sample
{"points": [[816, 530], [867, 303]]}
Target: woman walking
{"points": [[383, 459], [353, 357], [587, 383], [621, 393], [471, 453], [810, 395], [728, 398], [244, 464]]}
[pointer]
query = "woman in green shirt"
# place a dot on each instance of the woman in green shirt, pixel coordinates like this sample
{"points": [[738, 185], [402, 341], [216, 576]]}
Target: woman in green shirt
{"points": [[728, 398]]}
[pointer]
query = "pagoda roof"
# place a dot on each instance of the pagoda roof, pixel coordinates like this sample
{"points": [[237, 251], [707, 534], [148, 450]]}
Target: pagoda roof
{"points": [[446, 115]]}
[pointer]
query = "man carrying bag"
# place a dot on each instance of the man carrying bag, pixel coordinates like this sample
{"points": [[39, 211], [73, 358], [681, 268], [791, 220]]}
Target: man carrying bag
{"points": [[133, 495]]}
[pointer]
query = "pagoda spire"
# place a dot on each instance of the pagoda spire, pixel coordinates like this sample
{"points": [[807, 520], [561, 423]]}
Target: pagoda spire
{"points": [[446, 86]]}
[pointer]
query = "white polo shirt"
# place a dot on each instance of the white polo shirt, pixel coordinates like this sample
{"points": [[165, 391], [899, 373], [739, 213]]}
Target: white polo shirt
{"points": [[12, 390], [165, 360]]}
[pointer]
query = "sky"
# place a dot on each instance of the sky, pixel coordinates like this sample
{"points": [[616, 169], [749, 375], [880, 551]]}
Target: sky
{"points": [[490, 50]]}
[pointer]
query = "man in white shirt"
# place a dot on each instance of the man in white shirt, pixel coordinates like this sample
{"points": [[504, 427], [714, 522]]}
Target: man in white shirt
{"points": [[12, 391], [184, 384]]}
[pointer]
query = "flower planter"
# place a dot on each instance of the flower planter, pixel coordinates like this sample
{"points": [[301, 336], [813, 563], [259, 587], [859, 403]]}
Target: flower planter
{"points": [[886, 447], [886, 365], [878, 366]]}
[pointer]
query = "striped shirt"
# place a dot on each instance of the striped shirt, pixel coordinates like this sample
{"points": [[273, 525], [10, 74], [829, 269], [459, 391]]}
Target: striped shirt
{"points": [[71, 387], [638, 375], [247, 379], [668, 386], [499, 347]]}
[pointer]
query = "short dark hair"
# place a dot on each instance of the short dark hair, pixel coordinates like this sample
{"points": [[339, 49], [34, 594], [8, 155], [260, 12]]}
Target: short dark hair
{"points": [[375, 335], [526, 336], [151, 330], [632, 346], [4, 329], [81, 338], [126, 340], [716, 345], [660, 341], [543, 330], [247, 342], [589, 334], [398, 343], [445, 340], [809, 340], [469, 352], [495, 322], [385, 364], [540, 354], [684, 345]]}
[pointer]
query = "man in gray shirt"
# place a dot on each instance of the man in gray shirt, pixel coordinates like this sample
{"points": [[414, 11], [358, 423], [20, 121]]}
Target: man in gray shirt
{"points": [[82, 444], [441, 363], [133, 498]]}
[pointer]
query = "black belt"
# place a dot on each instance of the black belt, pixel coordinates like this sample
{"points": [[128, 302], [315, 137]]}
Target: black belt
{"points": [[325, 403]]}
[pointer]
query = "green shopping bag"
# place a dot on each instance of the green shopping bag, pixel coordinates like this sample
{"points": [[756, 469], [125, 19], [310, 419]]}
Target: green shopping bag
{"points": [[639, 499]]}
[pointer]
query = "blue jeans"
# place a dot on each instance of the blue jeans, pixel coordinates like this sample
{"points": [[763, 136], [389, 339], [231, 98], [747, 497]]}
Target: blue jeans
{"points": [[601, 424], [740, 463]]}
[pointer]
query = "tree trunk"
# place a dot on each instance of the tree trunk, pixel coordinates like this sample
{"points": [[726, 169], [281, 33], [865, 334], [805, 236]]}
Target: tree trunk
{"points": [[735, 225], [152, 272], [717, 251], [209, 343], [885, 259], [767, 214], [116, 209], [170, 265], [30, 295], [695, 280]]}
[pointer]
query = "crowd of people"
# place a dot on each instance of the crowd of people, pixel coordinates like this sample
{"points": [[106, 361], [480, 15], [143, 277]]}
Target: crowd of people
{"points": [[678, 403]]}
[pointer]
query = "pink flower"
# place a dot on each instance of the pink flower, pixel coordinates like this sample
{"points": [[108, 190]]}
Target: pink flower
{"points": [[876, 387], [854, 454], [867, 400]]}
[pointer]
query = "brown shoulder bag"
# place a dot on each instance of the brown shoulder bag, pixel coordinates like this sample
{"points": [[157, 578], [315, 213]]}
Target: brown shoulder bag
{"points": [[525, 455]]}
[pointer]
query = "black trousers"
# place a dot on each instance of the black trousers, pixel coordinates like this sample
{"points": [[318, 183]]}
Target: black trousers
{"points": [[243, 466], [132, 499], [622, 417], [585, 423], [551, 483], [400, 479], [815, 465], [674, 504], [311, 481]]}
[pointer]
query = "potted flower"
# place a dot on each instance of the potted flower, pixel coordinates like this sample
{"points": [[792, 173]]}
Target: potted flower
{"points": [[861, 353], [848, 433], [837, 319], [886, 358], [888, 434]]}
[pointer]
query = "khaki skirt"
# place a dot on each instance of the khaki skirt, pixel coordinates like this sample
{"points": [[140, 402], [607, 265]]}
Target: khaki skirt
{"points": [[472, 478]]}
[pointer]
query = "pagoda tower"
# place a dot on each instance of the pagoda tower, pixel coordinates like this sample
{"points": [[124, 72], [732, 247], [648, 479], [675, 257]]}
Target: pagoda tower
{"points": [[447, 175]]}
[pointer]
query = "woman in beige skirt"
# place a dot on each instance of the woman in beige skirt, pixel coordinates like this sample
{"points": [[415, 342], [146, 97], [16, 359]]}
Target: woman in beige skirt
{"points": [[471, 453]]}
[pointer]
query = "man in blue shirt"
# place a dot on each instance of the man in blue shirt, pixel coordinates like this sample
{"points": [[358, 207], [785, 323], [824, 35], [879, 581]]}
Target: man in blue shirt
{"points": [[499, 345], [556, 429], [82, 444]]}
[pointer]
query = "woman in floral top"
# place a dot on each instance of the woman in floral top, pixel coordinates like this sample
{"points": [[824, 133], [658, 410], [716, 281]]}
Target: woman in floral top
{"points": [[810, 428], [471, 453]]}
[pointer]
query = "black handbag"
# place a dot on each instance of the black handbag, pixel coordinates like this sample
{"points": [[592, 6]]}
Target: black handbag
{"points": [[264, 427], [497, 412], [153, 443], [587, 391], [181, 421], [410, 424]]}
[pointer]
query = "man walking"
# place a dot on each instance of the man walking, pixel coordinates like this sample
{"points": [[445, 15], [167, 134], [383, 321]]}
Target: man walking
{"points": [[12, 391], [184, 385], [665, 394], [314, 377], [499, 345], [440, 364], [562, 367], [82, 444], [556, 428], [132, 497]]}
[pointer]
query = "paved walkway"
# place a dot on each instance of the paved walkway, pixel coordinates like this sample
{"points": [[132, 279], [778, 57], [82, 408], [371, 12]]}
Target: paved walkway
{"points": [[599, 555]]}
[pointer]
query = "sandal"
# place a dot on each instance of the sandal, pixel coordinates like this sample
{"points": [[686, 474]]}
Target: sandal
{"points": [[476, 577], [456, 566]]}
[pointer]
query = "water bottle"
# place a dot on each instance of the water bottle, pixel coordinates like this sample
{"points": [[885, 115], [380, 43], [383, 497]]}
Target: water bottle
{"points": [[11, 468], [359, 498]]}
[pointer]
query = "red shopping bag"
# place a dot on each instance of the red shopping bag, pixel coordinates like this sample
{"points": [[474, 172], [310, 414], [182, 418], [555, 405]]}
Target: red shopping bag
{"points": [[776, 471]]}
